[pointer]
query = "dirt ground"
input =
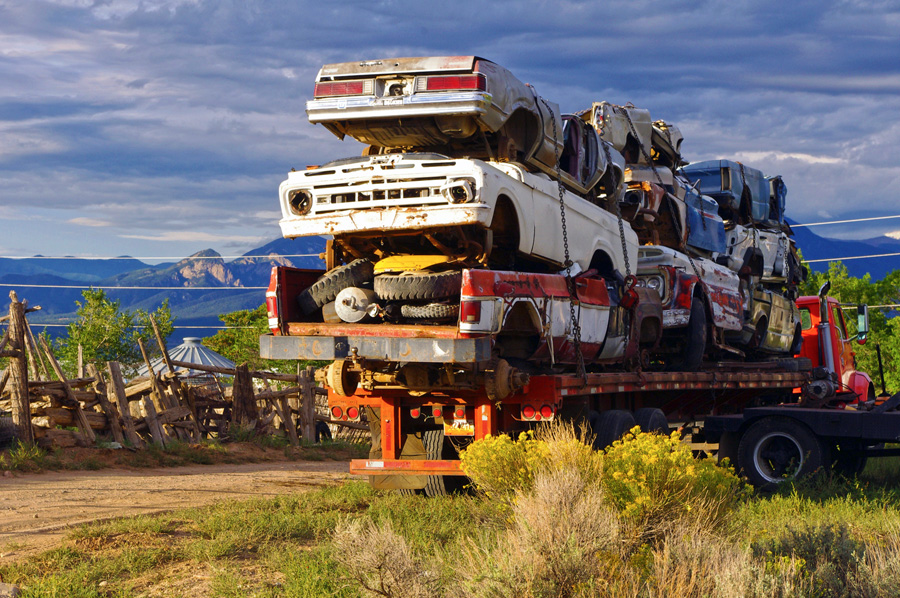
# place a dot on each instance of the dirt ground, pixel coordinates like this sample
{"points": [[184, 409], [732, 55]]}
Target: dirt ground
{"points": [[37, 509]]}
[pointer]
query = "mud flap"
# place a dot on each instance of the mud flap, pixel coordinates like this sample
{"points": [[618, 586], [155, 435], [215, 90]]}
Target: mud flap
{"points": [[413, 448]]}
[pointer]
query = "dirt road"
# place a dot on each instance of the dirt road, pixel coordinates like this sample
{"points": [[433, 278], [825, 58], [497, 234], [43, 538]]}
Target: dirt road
{"points": [[36, 509]]}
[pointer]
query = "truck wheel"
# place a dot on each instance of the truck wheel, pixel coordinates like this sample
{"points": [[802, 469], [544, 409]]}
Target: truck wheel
{"points": [[846, 460], [430, 285], [609, 426], [652, 420], [438, 447], [432, 311], [777, 449], [385, 481], [691, 356], [328, 286]]}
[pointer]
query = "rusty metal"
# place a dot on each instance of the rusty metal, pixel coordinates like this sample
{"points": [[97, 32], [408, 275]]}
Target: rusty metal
{"points": [[405, 467]]}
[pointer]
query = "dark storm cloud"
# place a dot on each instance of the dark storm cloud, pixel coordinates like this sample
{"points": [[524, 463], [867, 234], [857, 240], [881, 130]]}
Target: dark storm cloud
{"points": [[196, 107]]}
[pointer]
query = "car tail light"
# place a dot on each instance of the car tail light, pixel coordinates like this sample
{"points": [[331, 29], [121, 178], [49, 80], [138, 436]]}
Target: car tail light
{"points": [[337, 412], [460, 413], [528, 412], [474, 82], [437, 411], [352, 413], [547, 412], [344, 88], [415, 412], [470, 311]]}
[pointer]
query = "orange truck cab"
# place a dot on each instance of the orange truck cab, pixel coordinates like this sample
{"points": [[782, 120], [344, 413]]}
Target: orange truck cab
{"points": [[827, 344]]}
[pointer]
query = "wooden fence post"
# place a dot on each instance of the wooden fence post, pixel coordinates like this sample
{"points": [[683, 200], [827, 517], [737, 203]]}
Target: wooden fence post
{"points": [[307, 405], [18, 370], [244, 410]]}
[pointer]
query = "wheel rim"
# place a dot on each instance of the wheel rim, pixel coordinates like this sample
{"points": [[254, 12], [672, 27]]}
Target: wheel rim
{"points": [[778, 457]]}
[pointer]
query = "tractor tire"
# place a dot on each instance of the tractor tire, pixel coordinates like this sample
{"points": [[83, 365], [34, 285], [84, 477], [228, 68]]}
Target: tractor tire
{"points": [[328, 286], [432, 311], [400, 287], [652, 420], [777, 449]]}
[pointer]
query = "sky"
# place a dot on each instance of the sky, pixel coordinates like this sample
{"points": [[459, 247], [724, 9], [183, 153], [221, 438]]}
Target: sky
{"points": [[158, 128]]}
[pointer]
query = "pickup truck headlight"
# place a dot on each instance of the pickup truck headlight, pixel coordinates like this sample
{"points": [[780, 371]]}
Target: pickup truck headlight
{"points": [[301, 202], [458, 191]]}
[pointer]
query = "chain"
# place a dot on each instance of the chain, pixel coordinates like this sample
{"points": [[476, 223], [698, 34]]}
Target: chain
{"points": [[615, 200], [573, 296]]}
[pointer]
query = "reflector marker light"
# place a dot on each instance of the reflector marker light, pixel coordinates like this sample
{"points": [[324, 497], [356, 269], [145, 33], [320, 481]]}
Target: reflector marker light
{"points": [[343, 88]]}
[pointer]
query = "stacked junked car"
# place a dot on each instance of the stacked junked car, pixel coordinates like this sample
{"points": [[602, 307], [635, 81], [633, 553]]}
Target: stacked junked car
{"points": [[473, 192], [714, 242]]}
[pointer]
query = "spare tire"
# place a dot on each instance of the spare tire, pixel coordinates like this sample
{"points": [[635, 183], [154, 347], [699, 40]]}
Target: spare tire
{"points": [[430, 285], [328, 286], [432, 311]]}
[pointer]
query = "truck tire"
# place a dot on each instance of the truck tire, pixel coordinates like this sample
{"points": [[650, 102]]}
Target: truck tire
{"points": [[652, 420], [609, 426], [430, 285], [691, 356], [432, 311], [778, 449], [328, 286], [396, 482]]}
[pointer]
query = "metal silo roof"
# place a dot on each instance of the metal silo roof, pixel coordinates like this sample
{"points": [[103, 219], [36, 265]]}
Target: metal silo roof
{"points": [[190, 351]]}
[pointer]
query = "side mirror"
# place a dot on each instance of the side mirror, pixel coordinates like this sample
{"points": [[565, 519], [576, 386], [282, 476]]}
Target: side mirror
{"points": [[862, 323]]}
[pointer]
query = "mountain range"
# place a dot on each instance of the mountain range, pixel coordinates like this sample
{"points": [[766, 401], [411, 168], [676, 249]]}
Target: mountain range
{"points": [[58, 282]]}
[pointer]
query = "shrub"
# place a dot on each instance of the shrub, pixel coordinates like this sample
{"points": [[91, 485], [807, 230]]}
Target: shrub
{"points": [[654, 480], [500, 466]]}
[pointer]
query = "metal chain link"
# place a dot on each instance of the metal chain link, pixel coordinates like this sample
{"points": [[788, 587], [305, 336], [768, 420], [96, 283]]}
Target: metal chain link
{"points": [[573, 296], [618, 213]]}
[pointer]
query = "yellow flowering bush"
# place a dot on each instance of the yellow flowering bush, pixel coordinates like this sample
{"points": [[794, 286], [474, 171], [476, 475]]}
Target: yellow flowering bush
{"points": [[500, 466], [654, 480]]}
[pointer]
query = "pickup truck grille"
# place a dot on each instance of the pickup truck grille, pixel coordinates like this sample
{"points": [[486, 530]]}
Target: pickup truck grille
{"points": [[378, 194]]}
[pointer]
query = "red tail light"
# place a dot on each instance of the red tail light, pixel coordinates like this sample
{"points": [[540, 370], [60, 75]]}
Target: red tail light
{"points": [[470, 311], [460, 413], [437, 412], [547, 412], [343, 88], [352, 412], [528, 412], [415, 413], [336, 412], [475, 82], [272, 301]]}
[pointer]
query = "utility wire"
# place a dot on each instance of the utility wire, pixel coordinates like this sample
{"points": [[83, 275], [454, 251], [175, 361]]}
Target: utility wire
{"points": [[91, 286], [845, 221], [853, 257], [177, 259]]}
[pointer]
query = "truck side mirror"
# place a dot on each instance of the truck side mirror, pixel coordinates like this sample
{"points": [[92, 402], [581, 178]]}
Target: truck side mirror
{"points": [[862, 323]]}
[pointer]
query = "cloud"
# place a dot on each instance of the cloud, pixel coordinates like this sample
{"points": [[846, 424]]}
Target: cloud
{"points": [[92, 222], [168, 236]]}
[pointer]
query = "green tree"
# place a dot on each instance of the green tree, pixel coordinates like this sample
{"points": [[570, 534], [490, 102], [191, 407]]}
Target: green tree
{"points": [[240, 341], [884, 330], [106, 332]]}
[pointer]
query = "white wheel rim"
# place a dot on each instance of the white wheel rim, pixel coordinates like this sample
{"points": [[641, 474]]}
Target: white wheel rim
{"points": [[785, 469]]}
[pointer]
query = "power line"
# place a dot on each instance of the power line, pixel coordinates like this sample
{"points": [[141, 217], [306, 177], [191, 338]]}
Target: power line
{"points": [[90, 286], [855, 257], [845, 221], [39, 325], [178, 259]]}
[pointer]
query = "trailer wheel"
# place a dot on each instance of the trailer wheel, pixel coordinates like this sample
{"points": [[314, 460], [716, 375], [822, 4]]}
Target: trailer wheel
{"points": [[691, 356], [609, 426], [438, 447], [777, 449], [652, 420], [327, 288], [427, 285], [396, 482]]}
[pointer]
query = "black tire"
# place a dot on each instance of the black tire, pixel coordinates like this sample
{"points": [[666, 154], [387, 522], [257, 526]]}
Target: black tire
{"points": [[431, 285], [432, 311], [609, 426], [778, 449], [691, 357], [374, 419], [797, 343], [652, 420], [846, 459], [328, 286]]}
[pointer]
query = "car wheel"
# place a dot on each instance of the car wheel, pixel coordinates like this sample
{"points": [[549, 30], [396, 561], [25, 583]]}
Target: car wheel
{"points": [[777, 449], [691, 356], [328, 286], [428, 285]]}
